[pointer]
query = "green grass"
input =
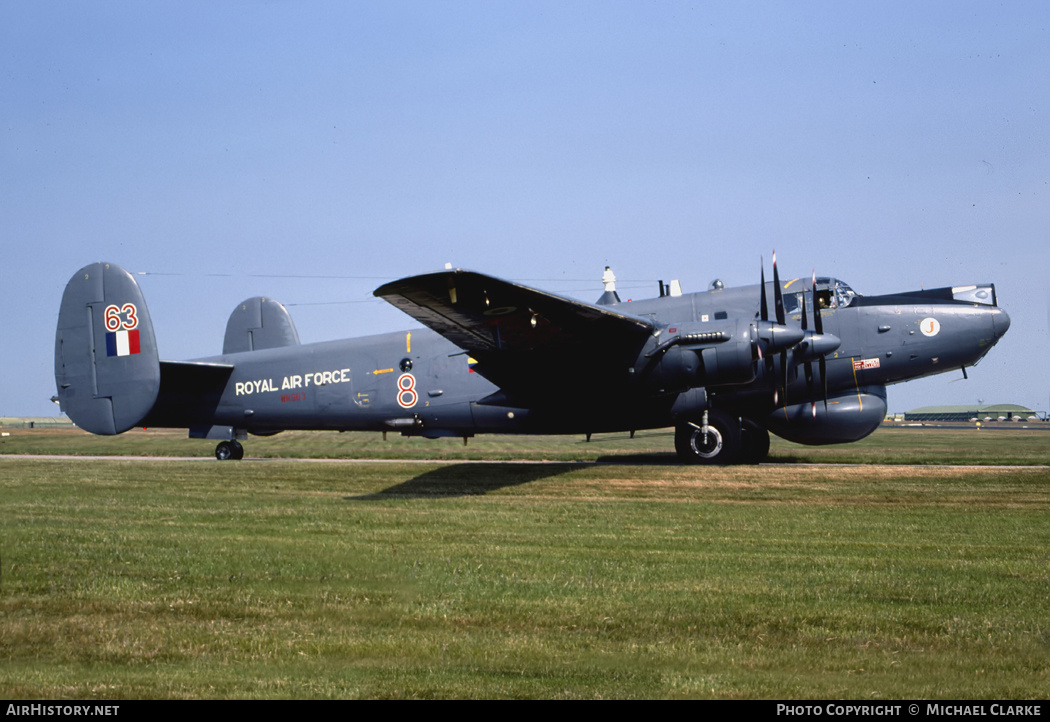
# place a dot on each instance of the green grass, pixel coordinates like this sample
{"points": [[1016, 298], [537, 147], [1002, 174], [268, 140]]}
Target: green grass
{"points": [[961, 445], [161, 579]]}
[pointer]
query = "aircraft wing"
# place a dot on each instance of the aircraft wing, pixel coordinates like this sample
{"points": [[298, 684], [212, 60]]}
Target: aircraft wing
{"points": [[526, 341]]}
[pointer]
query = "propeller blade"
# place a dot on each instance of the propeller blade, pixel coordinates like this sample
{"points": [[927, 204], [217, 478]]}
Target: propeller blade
{"points": [[778, 305], [764, 315], [822, 363], [809, 363], [771, 375], [784, 365], [818, 323], [778, 295], [818, 326]]}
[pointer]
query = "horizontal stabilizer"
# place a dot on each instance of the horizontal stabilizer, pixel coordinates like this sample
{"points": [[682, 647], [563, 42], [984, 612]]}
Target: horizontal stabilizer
{"points": [[189, 392]]}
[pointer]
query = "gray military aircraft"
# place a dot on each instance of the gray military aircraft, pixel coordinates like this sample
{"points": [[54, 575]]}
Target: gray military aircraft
{"points": [[502, 358]]}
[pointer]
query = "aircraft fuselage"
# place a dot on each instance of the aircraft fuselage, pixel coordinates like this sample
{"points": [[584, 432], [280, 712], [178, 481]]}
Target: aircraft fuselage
{"points": [[417, 382]]}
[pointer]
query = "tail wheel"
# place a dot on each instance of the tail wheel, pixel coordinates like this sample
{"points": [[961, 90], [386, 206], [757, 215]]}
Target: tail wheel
{"points": [[717, 442]]}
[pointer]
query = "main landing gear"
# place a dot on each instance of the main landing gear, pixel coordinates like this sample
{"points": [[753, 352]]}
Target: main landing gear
{"points": [[718, 438], [229, 450]]}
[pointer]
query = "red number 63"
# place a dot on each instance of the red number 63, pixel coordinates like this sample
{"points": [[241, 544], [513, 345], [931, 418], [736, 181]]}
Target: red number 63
{"points": [[114, 320]]}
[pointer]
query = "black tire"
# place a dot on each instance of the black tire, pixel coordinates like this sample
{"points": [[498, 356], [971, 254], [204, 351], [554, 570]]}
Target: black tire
{"points": [[754, 442], [719, 444], [229, 451]]}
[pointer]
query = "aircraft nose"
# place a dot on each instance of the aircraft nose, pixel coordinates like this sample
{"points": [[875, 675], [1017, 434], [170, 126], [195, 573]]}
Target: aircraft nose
{"points": [[1000, 323]]}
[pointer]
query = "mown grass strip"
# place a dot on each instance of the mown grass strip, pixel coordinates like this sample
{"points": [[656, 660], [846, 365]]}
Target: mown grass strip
{"points": [[889, 444], [262, 580]]}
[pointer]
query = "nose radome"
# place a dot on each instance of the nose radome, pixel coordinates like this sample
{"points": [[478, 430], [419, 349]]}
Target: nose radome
{"points": [[1000, 322]]}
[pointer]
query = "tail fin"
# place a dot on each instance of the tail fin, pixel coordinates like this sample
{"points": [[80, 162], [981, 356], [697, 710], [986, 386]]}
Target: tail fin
{"points": [[259, 323], [106, 364]]}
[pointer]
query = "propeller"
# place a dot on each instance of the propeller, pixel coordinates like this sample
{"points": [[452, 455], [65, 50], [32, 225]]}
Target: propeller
{"points": [[778, 336], [804, 345]]}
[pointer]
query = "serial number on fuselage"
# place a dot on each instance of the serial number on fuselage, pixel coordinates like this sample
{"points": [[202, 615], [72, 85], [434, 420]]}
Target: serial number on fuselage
{"points": [[293, 381]]}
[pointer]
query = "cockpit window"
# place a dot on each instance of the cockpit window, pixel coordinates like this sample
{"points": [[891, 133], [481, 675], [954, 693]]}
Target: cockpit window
{"points": [[843, 294], [831, 293]]}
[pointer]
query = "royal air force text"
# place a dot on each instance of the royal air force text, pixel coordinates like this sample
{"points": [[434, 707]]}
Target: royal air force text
{"points": [[295, 381]]}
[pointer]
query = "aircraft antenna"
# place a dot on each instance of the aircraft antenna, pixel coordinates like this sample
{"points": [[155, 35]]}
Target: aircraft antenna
{"points": [[610, 296]]}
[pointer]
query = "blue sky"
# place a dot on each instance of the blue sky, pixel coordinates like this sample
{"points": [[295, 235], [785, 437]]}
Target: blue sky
{"points": [[310, 151]]}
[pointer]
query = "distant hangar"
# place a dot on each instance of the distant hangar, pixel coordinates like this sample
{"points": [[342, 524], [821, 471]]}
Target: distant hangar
{"points": [[995, 412]]}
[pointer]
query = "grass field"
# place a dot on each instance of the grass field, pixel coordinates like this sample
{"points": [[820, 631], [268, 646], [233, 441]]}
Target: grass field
{"points": [[638, 579], [903, 445]]}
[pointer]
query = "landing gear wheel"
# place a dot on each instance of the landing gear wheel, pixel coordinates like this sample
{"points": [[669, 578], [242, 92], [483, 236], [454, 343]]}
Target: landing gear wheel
{"points": [[229, 450], [754, 442], [718, 443]]}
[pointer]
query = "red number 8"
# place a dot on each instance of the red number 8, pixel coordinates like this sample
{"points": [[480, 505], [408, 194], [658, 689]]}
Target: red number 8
{"points": [[407, 396]]}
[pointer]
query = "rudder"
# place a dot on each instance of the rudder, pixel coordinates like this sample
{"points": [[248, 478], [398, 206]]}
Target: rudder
{"points": [[107, 368]]}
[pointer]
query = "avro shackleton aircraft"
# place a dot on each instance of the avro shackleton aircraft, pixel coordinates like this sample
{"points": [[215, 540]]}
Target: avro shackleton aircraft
{"points": [[501, 358]]}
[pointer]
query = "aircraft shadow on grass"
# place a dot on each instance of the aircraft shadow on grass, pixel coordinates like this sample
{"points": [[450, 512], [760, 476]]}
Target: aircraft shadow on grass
{"points": [[467, 480], [479, 479], [643, 459]]}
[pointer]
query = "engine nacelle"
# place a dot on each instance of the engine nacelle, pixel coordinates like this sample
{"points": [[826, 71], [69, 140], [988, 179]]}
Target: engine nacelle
{"points": [[848, 417], [684, 356]]}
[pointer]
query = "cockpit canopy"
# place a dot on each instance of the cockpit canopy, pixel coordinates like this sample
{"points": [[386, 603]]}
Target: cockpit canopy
{"points": [[831, 293]]}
